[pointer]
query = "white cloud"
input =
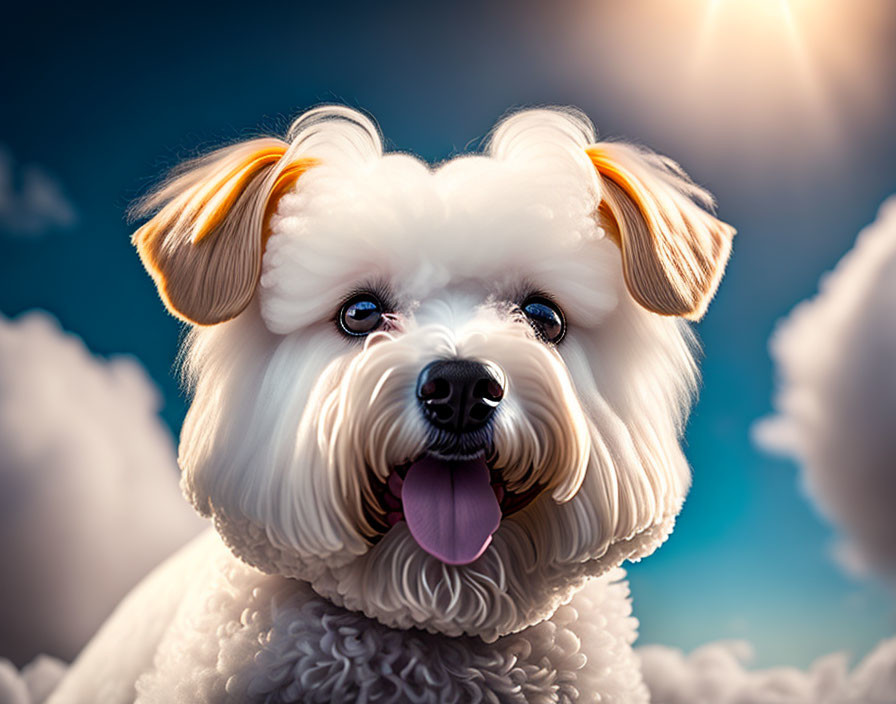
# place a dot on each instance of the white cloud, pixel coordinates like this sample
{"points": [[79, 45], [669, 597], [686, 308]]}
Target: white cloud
{"points": [[715, 674], [31, 200], [836, 397], [89, 500]]}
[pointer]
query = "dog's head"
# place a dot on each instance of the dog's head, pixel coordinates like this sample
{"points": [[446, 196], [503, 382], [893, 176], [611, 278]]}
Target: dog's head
{"points": [[444, 396]]}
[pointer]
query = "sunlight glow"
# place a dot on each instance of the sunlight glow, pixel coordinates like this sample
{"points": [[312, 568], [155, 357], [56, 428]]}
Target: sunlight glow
{"points": [[760, 44], [761, 83]]}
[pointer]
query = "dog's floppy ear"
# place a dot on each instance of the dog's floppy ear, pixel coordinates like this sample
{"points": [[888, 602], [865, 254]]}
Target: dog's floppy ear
{"points": [[673, 249], [203, 246]]}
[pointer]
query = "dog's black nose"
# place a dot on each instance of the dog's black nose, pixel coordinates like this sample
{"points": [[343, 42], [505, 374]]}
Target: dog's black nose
{"points": [[458, 395]]}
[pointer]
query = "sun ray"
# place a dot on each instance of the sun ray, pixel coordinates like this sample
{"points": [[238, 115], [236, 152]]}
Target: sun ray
{"points": [[704, 37], [809, 80]]}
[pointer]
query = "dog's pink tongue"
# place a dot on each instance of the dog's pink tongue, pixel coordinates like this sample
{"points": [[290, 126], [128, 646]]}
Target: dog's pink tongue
{"points": [[450, 508]]}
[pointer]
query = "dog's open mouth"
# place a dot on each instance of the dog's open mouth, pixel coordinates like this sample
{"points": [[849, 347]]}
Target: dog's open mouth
{"points": [[452, 507]]}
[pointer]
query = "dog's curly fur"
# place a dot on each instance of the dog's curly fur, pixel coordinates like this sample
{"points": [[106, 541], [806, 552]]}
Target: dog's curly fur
{"points": [[295, 428]]}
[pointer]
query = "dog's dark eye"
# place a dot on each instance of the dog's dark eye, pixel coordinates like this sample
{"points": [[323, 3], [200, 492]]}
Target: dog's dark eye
{"points": [[546, 317], [361, 314]]}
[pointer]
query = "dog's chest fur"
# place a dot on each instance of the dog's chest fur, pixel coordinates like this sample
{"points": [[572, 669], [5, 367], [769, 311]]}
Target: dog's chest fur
{"points": [[251, 637]]}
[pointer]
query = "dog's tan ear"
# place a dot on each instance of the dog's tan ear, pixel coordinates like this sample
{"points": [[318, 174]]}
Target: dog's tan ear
{"points": [[673, 249], [204, 244]]}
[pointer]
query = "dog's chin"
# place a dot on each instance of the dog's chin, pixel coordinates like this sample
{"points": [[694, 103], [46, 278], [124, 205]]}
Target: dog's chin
{"points": [[510, 587], [450, 551]]}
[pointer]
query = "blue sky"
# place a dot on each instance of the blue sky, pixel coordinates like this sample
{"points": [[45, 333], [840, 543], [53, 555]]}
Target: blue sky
{"points": [[785, 114]]}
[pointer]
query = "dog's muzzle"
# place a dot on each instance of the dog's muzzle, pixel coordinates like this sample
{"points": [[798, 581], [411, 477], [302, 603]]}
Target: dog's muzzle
{"points": [[451, 496]]}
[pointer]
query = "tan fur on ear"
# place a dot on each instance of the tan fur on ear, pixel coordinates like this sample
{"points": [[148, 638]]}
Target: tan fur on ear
{"points": [[204, 245], [673, 250]]}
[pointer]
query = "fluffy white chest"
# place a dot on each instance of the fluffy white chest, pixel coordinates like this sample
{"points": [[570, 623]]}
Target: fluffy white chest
{"points": [[244, 636]]}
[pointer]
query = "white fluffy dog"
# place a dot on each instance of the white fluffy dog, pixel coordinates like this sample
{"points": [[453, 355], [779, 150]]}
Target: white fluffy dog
{"points": [[434, 409]]}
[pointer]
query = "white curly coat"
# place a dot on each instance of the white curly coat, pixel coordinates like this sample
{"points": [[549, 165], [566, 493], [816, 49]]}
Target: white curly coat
{"points": [[291, 421]]}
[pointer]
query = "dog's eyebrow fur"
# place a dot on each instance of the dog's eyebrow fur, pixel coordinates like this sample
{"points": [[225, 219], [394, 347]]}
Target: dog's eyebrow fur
{"points": [[673, 250], [204, 245]]}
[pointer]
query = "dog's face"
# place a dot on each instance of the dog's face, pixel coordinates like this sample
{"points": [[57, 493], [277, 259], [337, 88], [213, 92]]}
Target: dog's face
{"points": [[443, 396]]}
